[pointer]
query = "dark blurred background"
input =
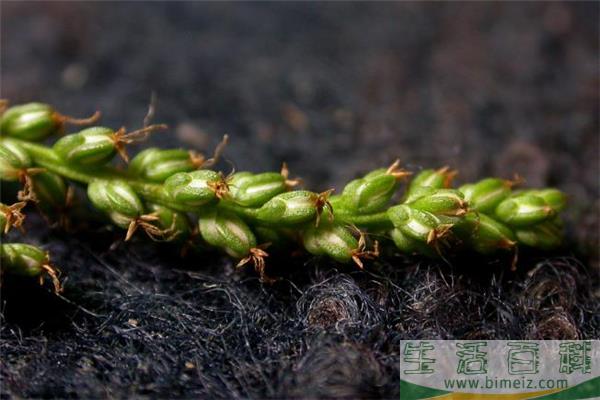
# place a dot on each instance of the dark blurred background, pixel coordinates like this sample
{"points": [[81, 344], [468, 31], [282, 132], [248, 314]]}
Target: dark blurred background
{"points": [[334, 89]]}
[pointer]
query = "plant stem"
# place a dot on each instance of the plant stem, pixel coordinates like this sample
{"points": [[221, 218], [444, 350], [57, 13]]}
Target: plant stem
{"points": [[152, 192]]}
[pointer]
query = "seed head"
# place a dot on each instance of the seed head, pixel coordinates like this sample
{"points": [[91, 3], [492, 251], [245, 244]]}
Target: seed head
{"points": [[524, 210], [442, 202], [296, 207], [27, 260], [13, 160], [36, 121], [194, 189], [485, 195], [254, 190], [228, 232], [156, 165], [484, 234]]}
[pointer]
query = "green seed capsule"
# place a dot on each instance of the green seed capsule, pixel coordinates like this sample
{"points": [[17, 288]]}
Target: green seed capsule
{"points": [[442, 202], [334, 241], [156, 165], [174, 225], [409, 245], [251, 190], [50, 191], [13, 159], [37, 121], [554, 198], [524, 210], [26, 260], [419, 225], [33, 122], [22, 259], [374, 191], [290, 208], [545, 236], [117, 199], [437, 179], [91, 146], [372, 195], [467, 190], [193, 189], [485, 195], [484, 234], [228, 232]]}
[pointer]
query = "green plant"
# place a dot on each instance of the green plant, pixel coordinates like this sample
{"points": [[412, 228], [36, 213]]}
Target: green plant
{"points": [[243, 213]]}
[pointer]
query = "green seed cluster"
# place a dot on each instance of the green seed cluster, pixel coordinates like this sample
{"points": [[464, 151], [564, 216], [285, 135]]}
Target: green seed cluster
{"points": [[173, 196]]}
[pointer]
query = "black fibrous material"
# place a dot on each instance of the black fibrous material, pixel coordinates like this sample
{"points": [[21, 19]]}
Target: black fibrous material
{"points": [[141, 321]]}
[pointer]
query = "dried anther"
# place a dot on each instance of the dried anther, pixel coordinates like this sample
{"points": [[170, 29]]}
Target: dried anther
{"points": [[121, 138], [321, 203], [257, 257]]}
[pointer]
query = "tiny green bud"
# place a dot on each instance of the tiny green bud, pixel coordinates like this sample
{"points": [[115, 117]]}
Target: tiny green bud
{"points": [[50, 191], [554, 198], [338, 243], [33, 121], [98, 145], [37, 121], [227, 232], [409, 245], [156, 165], [484, 234], [419, 225], [524, 210], [437, 179], [27, 260], [174, 225], [374, 191], [117, 199], [293, 208], [467, 190], [13, 159], [195, 189], [91, 146], [545, 236], [332, 240], [252, 190], [485, 195], [442, 202], [22, 259]]}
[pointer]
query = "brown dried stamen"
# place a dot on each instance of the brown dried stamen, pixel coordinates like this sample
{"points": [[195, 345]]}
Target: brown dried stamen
{"points": [[53, 273], [517, 180], [448, 175], [257, 256], [13, 215], [121, 138], [145, 222], [27, 193], [218, 152], [3, 106], [438, 233], [397, 172], [62, 120], [361, 253], [321, 202], [221, 186], [289, 183], [197, 159]]}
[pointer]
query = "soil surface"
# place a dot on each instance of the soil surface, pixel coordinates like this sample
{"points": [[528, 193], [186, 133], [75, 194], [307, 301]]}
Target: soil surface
{"points": [[333, 89]]}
